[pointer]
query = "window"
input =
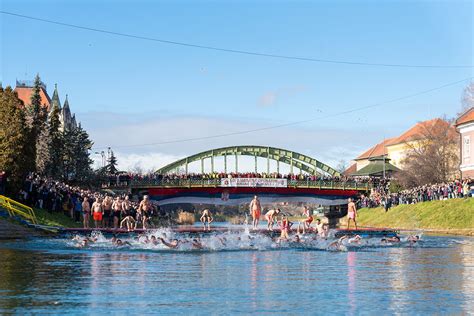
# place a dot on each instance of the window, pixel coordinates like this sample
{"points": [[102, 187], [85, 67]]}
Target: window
{"points": [[467, 147]]}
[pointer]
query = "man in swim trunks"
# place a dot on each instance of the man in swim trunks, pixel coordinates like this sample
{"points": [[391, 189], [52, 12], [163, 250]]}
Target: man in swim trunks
{"points": [[206, 217], [308, 218], [285, 226], [86, 212], [127, 214], [97, 212], [145, 209], [256, 211], [107, 211], [351, 213], [117, 208], [270, 216]]}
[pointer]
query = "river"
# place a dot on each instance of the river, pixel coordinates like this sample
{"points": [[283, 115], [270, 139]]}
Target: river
{"points": [[49, 275]]}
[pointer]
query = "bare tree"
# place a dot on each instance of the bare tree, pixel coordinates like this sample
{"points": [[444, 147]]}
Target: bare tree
{"points": [[433, 155], [467, 99]]}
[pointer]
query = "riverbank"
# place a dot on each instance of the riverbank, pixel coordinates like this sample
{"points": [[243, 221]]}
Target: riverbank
{"points": [[454, 217]]}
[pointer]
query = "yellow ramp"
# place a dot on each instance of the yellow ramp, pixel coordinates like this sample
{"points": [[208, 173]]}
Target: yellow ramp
{"points": [[15, 208]]}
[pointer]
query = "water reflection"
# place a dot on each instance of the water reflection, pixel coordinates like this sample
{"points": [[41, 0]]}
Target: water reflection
{"points": [[422, 280]]}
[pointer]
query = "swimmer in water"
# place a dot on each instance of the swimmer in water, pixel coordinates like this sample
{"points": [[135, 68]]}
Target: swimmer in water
{"points": [[197, 244], [120, 243], [355, 240], [394, 239], [206, 217], [413, 239], [153, 240], [170, 244], [338, 244], [270, 216]]}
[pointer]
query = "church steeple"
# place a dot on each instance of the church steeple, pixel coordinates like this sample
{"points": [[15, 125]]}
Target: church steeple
{"points": [[55, 99]]}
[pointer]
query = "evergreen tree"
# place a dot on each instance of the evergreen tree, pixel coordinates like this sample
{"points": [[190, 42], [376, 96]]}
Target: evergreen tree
{"points": [[69, 154], [83, 162], [43, 150], [35, 120], [13, 139], [56, 145], [112, 164]]}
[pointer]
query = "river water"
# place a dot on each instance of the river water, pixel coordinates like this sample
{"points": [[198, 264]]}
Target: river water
{"points": [[236, 273]]}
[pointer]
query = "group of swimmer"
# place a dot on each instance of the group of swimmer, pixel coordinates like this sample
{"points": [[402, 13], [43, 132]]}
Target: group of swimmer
{"points": [[243, 241], [118, 212]]}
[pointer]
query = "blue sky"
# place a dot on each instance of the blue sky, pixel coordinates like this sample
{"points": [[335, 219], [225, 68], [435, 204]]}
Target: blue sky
{"points": [[127, 91]]}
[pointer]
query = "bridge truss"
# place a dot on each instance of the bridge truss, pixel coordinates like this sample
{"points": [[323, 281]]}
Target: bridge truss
{"points": [[293, 159]]}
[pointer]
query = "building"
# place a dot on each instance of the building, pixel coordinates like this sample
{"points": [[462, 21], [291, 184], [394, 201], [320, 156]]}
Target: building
{"points": [[465, 126], [395, 149], [24, 90]]}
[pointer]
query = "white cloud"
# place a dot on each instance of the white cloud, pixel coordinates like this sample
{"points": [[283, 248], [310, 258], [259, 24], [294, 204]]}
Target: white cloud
{"points": [[122, 133], [268, 98]]}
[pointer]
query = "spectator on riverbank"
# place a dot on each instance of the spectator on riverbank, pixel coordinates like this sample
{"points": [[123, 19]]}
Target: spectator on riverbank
{"points": [[380, 196]]}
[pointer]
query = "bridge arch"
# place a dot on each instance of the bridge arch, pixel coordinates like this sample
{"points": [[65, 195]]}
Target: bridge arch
{"points": [[291, 158]]}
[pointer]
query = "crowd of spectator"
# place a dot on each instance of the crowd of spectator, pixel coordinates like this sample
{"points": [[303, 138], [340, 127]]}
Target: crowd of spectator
{"points": [[125, 179], [59, 197], [381, 195]]}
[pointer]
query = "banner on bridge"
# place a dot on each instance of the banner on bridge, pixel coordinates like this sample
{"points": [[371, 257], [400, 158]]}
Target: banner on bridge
{"points": [[254, 182]]}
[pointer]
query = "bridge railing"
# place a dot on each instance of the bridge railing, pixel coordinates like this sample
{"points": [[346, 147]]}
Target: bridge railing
{"points": [[216, 182]]}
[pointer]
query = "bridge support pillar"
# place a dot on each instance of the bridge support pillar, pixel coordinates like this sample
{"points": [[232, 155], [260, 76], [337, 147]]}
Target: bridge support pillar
{"points": [[202, 166], [256, 169], [212, 162], [268, 160], [225, 163], [236, 163], [186, 167]]}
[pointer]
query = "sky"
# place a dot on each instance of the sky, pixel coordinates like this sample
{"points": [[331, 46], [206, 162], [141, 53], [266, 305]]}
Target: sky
{"points": [[140, 96]]}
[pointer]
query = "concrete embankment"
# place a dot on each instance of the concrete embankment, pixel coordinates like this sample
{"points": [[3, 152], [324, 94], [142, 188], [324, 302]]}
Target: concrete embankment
{"points": [[455, 216], [9, 230]]}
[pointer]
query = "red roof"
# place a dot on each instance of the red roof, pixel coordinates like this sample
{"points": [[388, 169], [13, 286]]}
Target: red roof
{"points": [[467, 117], [414, 133], [378, 150], [24, 94], [417, 131], [350, 170]]}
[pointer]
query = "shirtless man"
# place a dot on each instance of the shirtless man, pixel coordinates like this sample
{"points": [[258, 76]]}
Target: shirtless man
{"points": [[86, 212], [285, 226], [256, 211], [308, 218], [144, 209], [320, 228], [351, 213], [170, 244], [206, 217], [117, 210], [270, 216], [97, 213], [127, 214], [107, 211]]}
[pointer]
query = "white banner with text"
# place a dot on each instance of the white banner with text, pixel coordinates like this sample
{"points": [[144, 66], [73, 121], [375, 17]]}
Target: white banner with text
{"points": [[254, 182]]}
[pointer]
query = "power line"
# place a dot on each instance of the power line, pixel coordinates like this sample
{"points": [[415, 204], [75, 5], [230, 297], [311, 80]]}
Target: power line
{"points": [[296, 122], [228, 50]]}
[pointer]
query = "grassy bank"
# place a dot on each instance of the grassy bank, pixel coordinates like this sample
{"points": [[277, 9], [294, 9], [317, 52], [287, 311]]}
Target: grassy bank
{"points": [[54, 219], [455, 216]]}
